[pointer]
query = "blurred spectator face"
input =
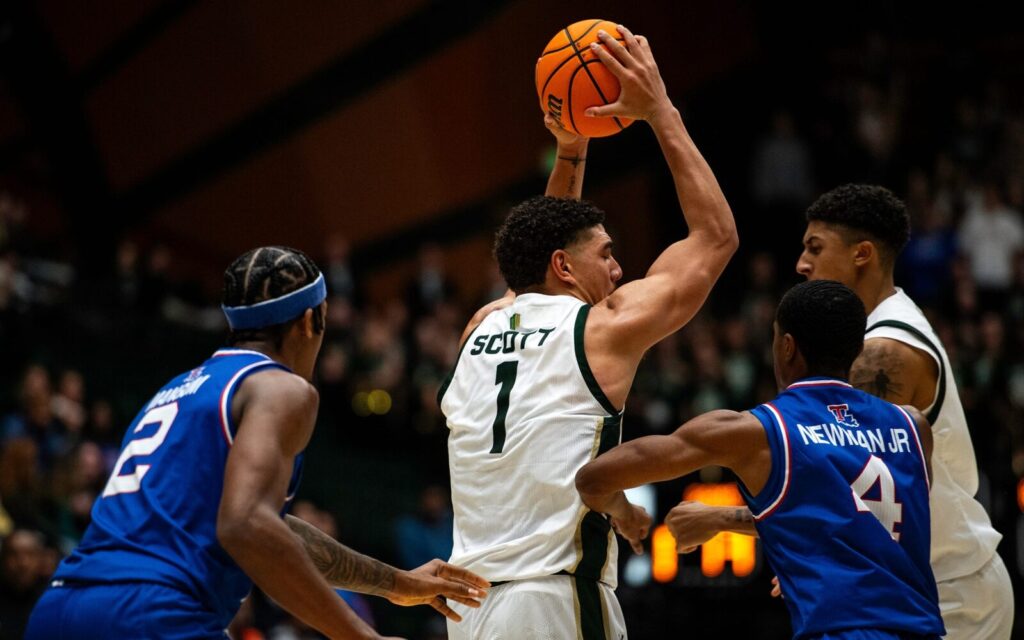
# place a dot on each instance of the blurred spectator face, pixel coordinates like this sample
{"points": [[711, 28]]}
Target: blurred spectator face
{"points": [[88, 469], [72, 385], [827, 255], [127, 256], [19, 466], [35, 386], [333, 365], [433, 503], [21, 559]]}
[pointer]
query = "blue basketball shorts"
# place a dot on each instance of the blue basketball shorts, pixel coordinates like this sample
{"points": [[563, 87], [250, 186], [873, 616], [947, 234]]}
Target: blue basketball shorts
{"points": [[99, 611]]}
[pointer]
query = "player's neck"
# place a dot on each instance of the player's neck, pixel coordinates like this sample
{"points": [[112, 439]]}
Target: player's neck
{"points": [[874, 288], [266, 349]]}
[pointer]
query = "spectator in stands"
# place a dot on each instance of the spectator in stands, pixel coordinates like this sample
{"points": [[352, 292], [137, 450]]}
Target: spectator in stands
{"points": [[22, 580], [991, 235]]}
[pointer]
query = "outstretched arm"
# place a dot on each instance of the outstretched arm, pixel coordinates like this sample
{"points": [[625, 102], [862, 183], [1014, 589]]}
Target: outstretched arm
{"points": [[277, 411], [724, 438], [694, 523], [679, 281], [345, 568], [566, 179]]}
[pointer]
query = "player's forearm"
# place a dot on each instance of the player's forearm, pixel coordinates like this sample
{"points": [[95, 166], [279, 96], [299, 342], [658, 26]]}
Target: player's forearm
{"points": [[341, 566], [736, 520], [601, 482], [705, 208], [268, 552], [566, 179]]}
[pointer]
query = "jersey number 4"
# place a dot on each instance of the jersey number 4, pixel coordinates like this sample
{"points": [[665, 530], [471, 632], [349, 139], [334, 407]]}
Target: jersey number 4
{"points": [[886, 509], [506, 377], [131, 482]]}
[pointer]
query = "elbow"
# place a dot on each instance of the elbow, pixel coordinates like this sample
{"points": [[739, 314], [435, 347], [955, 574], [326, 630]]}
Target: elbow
{"points": [[235, 533], [588, 484]]}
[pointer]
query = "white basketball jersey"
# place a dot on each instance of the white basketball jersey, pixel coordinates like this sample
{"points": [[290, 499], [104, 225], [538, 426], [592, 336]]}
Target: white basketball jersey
{"points": [[524, 414], [963, 539]]}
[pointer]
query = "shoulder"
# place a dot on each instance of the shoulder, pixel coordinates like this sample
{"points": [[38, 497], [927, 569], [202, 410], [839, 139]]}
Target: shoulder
{"points": [[892, 370], [277, 391]]}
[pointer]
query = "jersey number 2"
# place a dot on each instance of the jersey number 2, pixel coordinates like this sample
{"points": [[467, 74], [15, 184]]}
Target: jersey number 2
{"points": [[506, 377], [885, 509], [130, 482]]}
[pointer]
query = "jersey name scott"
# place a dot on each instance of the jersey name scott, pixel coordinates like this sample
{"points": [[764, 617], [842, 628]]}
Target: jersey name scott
{"points": [[509, 341]]}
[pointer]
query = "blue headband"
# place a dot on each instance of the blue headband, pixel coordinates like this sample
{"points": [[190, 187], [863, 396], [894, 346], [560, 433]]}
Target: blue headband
{"points": [[271, 312]]}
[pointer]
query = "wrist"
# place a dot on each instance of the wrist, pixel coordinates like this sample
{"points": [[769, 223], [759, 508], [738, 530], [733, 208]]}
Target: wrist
{"points": [[664, 115], [578, 147]]}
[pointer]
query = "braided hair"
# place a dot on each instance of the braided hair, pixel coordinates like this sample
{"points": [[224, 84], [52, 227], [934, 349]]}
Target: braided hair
{"points": [[264, 274]]}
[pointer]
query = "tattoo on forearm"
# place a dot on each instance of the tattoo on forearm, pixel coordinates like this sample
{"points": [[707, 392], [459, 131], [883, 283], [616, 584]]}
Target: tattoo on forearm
{"points": [[341, 566], [741, 516], [575, 160], [877, 372]]}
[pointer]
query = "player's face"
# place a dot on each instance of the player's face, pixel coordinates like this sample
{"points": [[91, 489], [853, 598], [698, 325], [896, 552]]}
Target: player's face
{"points": [[595, 269], [827, 255]]}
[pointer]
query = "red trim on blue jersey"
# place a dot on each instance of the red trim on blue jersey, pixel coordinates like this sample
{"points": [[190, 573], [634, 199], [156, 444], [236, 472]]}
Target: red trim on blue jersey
{"points": [[917, 439], [819, 383], [785, 481], [224, 419]]}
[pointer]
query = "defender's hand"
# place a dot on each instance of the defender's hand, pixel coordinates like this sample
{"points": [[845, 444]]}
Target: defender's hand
{"points": [[692, 524], [435, 581], [642, 94], [633, 525]]}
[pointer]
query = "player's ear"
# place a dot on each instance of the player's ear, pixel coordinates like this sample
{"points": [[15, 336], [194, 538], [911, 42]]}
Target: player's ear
{"points": [[306, 324], [863, 252], [789, 348], [560, 264]]}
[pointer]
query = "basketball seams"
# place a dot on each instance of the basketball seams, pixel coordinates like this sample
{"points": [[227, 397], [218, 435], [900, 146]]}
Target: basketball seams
{"points": [[571, 39], [561, 64], [583, 64]]}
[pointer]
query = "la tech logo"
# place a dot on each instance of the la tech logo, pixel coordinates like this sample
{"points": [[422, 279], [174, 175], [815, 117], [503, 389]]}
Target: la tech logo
{"points": [[842, 414]]}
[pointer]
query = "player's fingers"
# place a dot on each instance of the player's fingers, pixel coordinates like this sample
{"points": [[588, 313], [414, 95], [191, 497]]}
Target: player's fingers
{"points": [[603, 111], [682, 549], [613, 63], [461, 591], [442, 607], [462, 575], [627, 35], [638, 547]]}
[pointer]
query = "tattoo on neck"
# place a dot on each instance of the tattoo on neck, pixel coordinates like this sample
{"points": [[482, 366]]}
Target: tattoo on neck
{"points": [[341, 566]]}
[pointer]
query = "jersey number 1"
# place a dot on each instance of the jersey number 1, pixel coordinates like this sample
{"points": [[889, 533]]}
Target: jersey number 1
{"points": [[131, 482], [506, 377], [885, 509]]}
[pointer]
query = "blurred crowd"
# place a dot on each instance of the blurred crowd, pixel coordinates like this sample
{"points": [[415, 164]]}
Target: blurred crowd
{"points": [[956, 158]]}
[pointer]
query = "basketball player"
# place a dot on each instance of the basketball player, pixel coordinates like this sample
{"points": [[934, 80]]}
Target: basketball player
{"points": [[836, 478], [539, 386], [192, 513], [854, 235]]}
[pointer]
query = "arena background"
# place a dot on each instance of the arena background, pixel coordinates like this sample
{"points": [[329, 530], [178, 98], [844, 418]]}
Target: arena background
{"points": [[145, 143]]}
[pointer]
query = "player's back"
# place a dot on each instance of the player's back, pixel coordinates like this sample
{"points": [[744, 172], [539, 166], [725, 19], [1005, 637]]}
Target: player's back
{"points": [[525, 414], [844, 515], [156, 520]]}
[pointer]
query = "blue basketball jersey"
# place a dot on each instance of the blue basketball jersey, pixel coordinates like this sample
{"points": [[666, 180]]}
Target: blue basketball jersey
{"points": [[156, 520], [844, 515]]}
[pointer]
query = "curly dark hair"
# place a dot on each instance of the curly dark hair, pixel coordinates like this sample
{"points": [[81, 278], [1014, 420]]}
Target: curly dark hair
{"points": [[827, 320], [533, 230], [868, 209], [263, 274]]}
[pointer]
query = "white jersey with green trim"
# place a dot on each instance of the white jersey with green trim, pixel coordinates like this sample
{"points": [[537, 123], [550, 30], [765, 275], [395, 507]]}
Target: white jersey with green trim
{"points": [[963, 539], [525, 414]]}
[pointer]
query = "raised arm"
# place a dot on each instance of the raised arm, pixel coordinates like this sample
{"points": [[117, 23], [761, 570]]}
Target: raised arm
{"points": [[724, 438], [566, 179], [644, 311]]}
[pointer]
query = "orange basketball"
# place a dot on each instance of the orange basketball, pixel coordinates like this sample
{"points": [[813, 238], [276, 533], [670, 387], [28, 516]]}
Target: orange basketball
{"points": [[571, 78]]}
